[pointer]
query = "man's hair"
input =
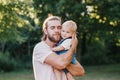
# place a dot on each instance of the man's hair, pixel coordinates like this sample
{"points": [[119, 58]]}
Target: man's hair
{"points": [[50, 18]]}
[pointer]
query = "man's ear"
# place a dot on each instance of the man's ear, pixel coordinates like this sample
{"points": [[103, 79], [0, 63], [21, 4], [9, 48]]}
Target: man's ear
{"points": [[45, 31]]}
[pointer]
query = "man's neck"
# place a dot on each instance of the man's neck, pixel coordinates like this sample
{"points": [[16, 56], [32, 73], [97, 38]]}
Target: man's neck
{"points": [[50, 43]]}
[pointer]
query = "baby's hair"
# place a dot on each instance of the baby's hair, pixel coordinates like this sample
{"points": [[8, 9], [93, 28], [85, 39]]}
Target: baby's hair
{"points": [[71, 24]]}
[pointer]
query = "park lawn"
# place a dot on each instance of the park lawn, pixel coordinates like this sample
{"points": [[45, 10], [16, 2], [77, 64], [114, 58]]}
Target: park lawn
{"points": [[103, 72], [17, 75]]}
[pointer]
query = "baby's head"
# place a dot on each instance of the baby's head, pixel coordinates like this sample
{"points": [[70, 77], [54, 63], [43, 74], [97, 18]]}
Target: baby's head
{"points": [[68, 29]]}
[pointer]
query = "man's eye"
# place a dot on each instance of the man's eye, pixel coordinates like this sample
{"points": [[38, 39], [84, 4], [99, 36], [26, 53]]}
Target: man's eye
{"points": [[59, 27], [52, 27]]}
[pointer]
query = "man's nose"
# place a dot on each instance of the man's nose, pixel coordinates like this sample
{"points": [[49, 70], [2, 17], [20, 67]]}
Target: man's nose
{"points": [[57, 30]]}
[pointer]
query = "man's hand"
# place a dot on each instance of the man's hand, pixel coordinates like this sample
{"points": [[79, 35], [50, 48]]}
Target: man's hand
{"points": [[76, 69]]}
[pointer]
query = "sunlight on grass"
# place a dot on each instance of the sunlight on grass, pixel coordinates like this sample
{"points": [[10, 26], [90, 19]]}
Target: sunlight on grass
{"points": [[18, 75], [109, 72], [102, 72]]}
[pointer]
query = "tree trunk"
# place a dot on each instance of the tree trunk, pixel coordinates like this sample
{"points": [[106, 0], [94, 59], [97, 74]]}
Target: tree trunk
{"points": [[29, 51], [2, 47], [83, 46]]}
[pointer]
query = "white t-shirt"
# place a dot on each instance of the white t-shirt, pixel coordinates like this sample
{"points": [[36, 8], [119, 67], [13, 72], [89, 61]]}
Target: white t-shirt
{"points": [[43, 71], [66, 44]]}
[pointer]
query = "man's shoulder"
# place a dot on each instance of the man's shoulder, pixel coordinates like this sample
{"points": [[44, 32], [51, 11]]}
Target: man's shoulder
{"points": [[39, 44]]}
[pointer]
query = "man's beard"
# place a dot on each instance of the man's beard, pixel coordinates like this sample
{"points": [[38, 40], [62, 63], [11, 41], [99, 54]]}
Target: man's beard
{"points": [[53, 39]]}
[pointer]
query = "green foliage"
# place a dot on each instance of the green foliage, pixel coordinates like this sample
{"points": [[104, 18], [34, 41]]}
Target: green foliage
{"points": [[9, 63], [96, 54], [114, 51], [14, 20], [21, 27], [6, 62]]}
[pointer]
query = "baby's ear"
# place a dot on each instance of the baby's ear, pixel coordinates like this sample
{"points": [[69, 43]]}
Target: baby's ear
{"points": [[77, 34]]}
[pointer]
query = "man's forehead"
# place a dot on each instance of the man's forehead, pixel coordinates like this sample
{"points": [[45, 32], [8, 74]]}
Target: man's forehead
{"points": [[54, 23]]}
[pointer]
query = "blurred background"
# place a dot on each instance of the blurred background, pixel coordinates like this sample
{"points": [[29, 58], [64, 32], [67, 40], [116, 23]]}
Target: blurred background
{"points": [[98, 24]]}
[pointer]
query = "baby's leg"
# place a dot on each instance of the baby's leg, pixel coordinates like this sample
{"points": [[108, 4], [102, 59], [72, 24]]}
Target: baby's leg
{"points": [[69, 76], [58, 74]]}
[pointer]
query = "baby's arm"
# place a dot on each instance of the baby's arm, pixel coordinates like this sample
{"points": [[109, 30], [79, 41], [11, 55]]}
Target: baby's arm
{"points": [[58, 48], [58, 74], [63, 46]]}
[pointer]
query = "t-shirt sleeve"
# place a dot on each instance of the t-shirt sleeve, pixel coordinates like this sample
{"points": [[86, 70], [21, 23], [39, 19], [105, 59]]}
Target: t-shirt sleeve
{"points": [[66, 44], [40, 52]]}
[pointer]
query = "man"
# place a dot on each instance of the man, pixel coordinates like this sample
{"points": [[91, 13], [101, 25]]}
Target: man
{"points": [[44, 59]]}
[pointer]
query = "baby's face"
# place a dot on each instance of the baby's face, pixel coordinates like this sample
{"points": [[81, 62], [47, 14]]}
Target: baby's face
{"points": [[66, 32]]}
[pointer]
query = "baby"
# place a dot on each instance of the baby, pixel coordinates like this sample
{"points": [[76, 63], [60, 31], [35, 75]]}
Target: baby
{"points": [[69, 28]]}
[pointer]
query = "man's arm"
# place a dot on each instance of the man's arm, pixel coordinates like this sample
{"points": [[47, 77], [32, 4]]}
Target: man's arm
{"points": [[76, 69], [60, 62]]}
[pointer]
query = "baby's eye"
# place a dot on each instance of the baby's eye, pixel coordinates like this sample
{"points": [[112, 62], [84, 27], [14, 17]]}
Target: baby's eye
{"points": [[67, 32]]}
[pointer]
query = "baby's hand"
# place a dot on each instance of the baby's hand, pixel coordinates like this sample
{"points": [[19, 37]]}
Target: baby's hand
{"points": [[74, 40]]}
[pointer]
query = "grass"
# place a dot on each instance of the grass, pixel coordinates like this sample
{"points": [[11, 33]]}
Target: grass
{"points": [[17, 75], [102, 72]]}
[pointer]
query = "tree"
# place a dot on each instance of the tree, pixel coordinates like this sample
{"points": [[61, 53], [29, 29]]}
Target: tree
{"points": [[97, 20], [14, 20]]}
